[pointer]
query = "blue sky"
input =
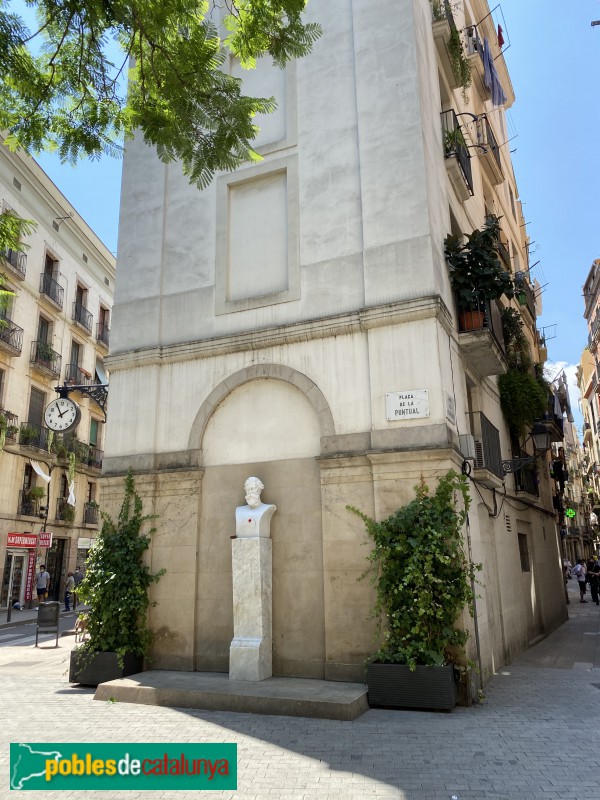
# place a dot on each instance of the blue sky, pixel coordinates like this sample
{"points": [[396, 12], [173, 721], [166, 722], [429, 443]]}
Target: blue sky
{"points": [[554, 63]]}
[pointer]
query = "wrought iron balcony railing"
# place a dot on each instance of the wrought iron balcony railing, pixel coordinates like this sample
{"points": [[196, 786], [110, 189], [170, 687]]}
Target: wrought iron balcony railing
{"points": [[526, 478], [16, 260], [52, 289], [65, 512], [10, 424], [27, 507], [102, 333], [33, 435], [75, 375], [455, 146], [525, 293], [83, 317], [11, 336], [45, 358], [90, 514]]}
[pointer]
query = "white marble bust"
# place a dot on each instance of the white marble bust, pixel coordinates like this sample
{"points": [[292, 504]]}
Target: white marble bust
{"points": [[254, 519]]}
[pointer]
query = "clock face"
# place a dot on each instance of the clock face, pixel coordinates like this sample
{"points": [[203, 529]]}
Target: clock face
{"points": [[62, 414]]}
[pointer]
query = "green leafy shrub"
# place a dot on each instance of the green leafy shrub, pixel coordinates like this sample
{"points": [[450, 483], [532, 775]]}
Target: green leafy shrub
{"points": [[423, 578], [117, 580], [476, 272], [523, 399]]}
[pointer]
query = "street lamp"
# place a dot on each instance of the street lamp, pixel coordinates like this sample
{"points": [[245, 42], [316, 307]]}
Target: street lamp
{"points": [[541, 443]]}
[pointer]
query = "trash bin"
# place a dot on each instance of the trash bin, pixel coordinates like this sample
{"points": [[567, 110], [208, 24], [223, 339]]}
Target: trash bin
{"points": [[48, 619]]}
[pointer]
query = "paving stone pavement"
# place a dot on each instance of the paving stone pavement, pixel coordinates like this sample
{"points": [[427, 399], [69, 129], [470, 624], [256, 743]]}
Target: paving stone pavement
{"points": [[534, 736]]}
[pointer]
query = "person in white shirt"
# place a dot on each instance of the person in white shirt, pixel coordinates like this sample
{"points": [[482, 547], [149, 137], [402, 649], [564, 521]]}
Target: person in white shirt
{"points": [[580, 571]]}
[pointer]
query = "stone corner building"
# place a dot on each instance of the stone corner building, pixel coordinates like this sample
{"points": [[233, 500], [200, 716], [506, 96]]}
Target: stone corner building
{"points": [[260, 324]]}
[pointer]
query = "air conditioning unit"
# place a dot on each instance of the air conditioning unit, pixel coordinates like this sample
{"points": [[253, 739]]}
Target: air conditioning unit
{"points": [[466, 443], [479, 453]]}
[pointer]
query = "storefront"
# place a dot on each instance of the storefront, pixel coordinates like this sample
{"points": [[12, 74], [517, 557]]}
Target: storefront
{"points": [[19, 568]]}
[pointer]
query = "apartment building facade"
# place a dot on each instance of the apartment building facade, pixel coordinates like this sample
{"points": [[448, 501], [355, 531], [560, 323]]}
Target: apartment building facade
{"points": [[274, 323], [589, 387], [55, 331]]}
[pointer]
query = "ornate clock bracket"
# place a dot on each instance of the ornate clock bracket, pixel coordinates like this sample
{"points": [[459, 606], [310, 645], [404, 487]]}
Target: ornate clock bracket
{"points": [[97, 391]]}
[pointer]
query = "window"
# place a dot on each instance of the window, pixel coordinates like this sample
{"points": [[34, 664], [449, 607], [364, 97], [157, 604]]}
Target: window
{"points": [[37, 403], [524, 552], [512, 202], [27, 478], [2, 381], [91, 492], [75, 353], [94, 432], [50, 266], [81, 295], [44, 331]]}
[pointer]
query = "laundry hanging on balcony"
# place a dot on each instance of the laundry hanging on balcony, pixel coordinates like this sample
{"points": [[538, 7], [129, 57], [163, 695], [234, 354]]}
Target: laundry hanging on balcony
{"points": [[490, 76], [39, 471]]}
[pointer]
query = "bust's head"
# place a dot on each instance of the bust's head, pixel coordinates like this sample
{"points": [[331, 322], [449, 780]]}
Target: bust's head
{"points": [[253, 487]]}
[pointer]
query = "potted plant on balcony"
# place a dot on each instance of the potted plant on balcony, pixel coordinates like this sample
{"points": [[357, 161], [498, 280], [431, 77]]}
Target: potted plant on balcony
{"points": [[116, 587], [28, 435], [424, 581], [477, 276]]}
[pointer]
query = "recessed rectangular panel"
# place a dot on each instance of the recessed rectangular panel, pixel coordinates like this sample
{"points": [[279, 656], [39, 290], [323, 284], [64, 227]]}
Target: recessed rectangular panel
{"points": [[257, 237]]}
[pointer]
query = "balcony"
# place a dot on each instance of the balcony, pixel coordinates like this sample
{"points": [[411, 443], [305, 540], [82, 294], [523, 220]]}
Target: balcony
{"points": [[488, 459], [481, 341], [16, 261], [76, 376], [83, 317], [474, 50], [10, 423], [525, 294], [526, 478], [503, 251], [488, 150], [443, 25], [45, 359], [86, 455], [11, 336], [52, 290], [33, 436], [102, 334], [554, 424], [90, 514], [27, 507], [64, 511], [456, 153]]}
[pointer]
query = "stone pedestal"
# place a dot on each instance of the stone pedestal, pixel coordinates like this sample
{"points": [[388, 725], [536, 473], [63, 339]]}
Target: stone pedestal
{"points": [[251, 650]]}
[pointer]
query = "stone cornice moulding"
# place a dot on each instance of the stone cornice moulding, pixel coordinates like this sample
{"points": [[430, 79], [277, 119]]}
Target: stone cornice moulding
{"points": [[322, 328]]}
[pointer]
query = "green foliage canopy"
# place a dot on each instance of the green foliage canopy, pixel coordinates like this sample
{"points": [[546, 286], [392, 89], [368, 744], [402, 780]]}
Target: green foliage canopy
{"points": [[61, 85], [116, 582], [422, 575]]}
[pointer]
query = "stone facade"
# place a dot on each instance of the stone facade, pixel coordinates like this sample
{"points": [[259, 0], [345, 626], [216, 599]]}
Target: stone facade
{"points": [[260, 324]]}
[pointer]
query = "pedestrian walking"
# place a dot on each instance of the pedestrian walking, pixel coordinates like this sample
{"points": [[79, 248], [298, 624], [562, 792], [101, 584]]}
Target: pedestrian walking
{"points": [[69, 587], [42, 584], [580, 571], [593, 578]]}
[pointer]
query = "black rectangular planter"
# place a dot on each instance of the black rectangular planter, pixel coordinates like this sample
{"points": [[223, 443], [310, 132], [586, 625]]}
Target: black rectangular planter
{"points": [[102, 667], [395, 686]]}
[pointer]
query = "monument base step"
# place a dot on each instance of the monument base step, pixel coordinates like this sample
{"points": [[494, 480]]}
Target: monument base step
{"points": [[290, 697]]}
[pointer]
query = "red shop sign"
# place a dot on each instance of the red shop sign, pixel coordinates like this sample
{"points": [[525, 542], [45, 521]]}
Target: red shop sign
{"points": [[22, 540], [45, 539]]}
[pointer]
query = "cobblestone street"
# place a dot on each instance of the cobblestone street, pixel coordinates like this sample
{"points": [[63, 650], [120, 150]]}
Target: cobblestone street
{"points": [[534, 736]]}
